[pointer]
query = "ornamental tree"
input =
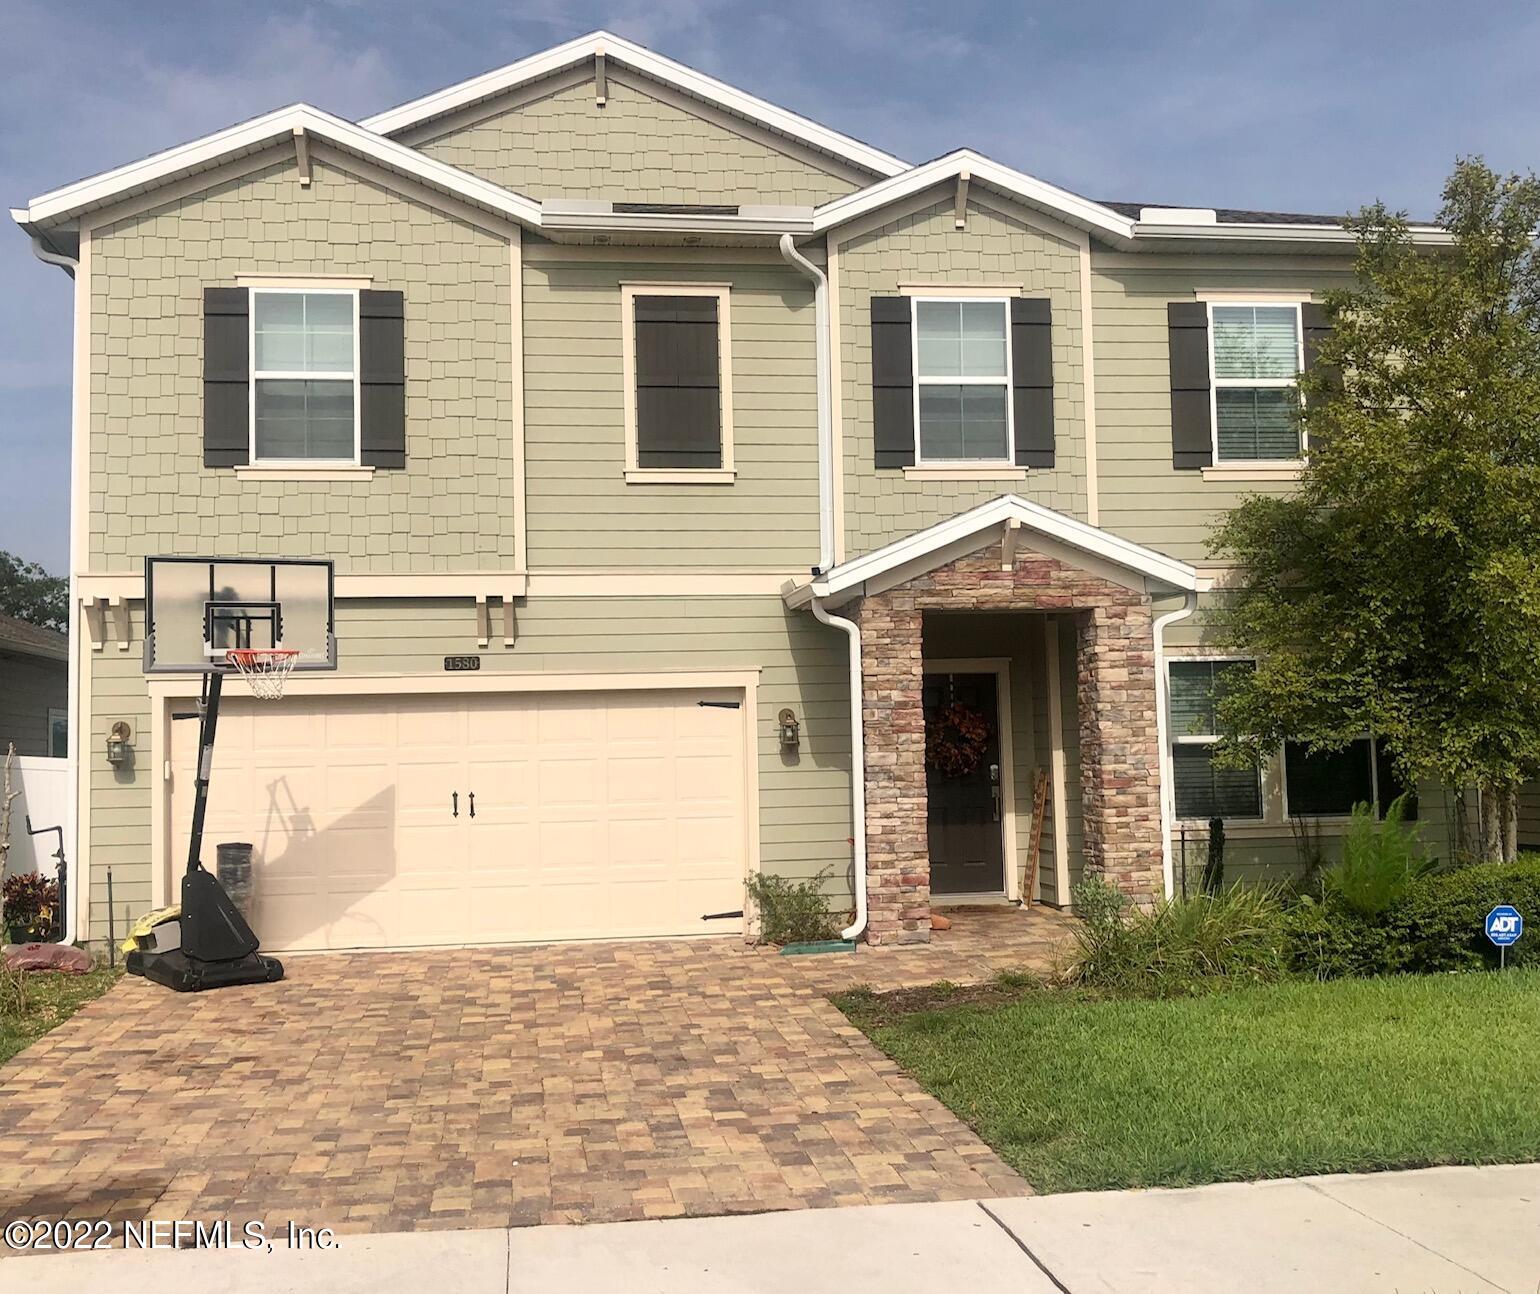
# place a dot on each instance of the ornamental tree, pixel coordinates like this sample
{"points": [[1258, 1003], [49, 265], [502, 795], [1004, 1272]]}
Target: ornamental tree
{"points": [[30, 593], [1397, 590]]}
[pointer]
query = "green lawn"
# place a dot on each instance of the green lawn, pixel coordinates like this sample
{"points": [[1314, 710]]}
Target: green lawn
{"points": [[1352, 1075], [51, 998]]}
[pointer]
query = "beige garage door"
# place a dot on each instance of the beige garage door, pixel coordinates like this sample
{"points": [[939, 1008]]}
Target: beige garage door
{"points": [[384, 822]]}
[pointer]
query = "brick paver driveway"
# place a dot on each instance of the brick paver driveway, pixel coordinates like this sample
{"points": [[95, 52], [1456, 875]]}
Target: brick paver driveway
{"points": [[499, 1087]]}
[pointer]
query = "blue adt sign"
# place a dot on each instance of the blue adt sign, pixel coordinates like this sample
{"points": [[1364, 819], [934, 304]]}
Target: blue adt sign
{"points": [[1504, 925]]}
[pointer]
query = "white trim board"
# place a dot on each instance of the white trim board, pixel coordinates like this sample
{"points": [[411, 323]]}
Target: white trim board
{"points": [[625, 53]]}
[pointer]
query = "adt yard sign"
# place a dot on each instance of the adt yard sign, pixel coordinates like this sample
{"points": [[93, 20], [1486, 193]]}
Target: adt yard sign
{"points": [[1504, 925]]}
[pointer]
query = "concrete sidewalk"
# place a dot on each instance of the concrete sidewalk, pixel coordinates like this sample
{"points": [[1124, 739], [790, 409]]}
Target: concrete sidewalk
{"points": [[1451, 1230]]}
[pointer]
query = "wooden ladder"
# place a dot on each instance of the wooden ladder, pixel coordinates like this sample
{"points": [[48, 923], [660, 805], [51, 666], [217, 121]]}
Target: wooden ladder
{"points": [[1035, 849]]}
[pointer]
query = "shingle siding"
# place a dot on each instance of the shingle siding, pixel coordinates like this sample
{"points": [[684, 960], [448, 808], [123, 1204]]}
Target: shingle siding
{"points": [[636, 148], [926, 247], [451, 507]]}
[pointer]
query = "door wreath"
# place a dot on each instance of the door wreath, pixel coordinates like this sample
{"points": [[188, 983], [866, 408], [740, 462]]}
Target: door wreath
{"points": [[956, 740]]}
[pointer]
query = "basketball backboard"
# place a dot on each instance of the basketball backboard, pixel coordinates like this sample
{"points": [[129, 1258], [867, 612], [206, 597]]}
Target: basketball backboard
{"points": [[199, 608]]}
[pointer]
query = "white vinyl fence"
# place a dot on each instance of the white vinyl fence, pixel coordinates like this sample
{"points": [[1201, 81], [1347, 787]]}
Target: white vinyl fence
{"points": [[45, 796]]}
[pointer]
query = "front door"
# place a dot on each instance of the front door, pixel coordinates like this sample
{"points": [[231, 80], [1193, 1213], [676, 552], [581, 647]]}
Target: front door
{"points": [[962, 784]]}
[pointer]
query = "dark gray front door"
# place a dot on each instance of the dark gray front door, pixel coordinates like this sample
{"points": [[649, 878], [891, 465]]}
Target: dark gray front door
{"points": [[962, 784]]}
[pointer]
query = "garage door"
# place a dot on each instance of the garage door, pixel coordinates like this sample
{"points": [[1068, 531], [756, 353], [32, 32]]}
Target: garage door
{"points": [[385, 822]]}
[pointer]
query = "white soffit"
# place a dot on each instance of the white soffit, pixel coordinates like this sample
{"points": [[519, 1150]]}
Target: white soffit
{"points": [[640, 59]]}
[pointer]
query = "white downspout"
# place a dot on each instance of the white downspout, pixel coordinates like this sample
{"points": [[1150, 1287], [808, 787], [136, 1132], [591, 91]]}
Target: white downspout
{"points": [[857, 764], [1163, 762], [825, 560], [70, 265], [825, 401]]}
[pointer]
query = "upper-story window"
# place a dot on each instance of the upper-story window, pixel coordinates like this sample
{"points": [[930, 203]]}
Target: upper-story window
{"points": [[678, 383], [304, 376], [962, 380], [1257, 357], [1203, 789]]}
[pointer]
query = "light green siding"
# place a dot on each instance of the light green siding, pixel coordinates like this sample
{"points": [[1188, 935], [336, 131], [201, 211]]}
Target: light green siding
{"points": [[804, 797], [450, 508], [927, 248], [582, 511], [1142, 496], [637, 148]]}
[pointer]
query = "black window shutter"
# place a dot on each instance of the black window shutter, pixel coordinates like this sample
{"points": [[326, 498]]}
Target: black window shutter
{"points": [[892, 382], [1032, 377], [226, 377], [382, 379], [1317, 326], [1192, 436], [678, 382]]}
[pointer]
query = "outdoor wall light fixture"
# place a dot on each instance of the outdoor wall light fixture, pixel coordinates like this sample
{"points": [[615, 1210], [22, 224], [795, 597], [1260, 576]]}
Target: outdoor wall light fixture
{"points": [[791, 730], [117, 743]]}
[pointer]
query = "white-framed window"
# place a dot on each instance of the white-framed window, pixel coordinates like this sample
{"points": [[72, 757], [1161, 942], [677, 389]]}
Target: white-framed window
{"points": [[58, 733], [1256, 352], [962, 380], [1201, 789], [676, 366], [304, 375], [1327, 784]]}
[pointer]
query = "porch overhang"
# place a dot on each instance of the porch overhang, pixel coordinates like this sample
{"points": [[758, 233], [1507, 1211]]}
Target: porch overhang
{"points": [[1115, 558]]}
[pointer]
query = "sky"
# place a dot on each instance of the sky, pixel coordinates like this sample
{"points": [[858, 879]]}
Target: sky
{"points": [[1306, 106]]}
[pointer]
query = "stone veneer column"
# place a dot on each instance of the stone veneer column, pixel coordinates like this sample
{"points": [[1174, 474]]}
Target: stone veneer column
{"points": [[1119, 749], [897, 848]]}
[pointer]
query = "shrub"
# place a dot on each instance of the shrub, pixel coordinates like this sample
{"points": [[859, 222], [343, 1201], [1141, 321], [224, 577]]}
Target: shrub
{"points": [[1440, 924], [1097, 903], [31, 906], [791, 912], [1380, 860], [1328, 940], [1185, 945]]}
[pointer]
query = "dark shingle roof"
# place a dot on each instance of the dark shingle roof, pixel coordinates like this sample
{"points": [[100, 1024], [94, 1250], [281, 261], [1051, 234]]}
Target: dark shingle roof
{"points": [[32, 640], [1234, 215]]}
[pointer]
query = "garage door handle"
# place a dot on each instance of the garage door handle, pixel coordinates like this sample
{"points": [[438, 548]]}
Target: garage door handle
{"points": [[473, 804], [455, 796]]}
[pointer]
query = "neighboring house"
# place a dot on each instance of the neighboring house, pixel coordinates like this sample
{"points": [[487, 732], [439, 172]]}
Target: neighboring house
{"points": [[679, 412], [34, 689]]}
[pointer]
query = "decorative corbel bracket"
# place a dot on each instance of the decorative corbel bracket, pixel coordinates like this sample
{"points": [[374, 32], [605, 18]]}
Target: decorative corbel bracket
{"points": [[601, 83], [1008, 544], [960, 209], [302, 155]]}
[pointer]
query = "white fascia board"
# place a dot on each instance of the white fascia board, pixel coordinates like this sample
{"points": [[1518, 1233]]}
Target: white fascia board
{"points": [[1032, 516], [642, 60], [1067, 206], [262, 132], [1331, 235]]}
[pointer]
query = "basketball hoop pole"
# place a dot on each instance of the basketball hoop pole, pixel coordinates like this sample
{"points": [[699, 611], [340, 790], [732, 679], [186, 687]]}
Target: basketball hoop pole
{"points": [[208, 723]]}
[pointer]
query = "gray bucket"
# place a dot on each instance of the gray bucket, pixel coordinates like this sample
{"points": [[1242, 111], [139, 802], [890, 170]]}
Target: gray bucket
{"points": [[234, 867]]}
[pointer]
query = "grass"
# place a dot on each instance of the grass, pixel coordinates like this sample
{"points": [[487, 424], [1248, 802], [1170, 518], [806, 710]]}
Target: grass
{"points": [[49, 999], [1078, 1093]]}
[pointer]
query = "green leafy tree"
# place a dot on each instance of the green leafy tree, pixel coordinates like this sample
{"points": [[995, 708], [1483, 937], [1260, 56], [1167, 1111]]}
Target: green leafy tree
{"points": [[1397, 591], [30, 593]]}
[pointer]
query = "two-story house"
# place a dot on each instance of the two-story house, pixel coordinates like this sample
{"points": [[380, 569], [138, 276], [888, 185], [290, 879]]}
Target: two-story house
{"points": [[803, 509]]}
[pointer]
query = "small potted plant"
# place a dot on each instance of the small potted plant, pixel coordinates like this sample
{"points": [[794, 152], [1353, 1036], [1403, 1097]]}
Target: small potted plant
{"points": [[31, 907]]}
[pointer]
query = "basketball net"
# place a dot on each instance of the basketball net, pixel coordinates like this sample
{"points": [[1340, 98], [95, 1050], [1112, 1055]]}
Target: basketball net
{"points": [[265, 669]]}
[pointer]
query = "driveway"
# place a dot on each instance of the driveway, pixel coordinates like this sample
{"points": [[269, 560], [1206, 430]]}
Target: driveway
{"points": [[500, 1087]]}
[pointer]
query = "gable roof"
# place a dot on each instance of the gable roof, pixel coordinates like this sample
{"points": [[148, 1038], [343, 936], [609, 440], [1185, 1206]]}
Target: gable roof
{"points": [[27, 639], [936, 544], [74, 200], [640, 59]]}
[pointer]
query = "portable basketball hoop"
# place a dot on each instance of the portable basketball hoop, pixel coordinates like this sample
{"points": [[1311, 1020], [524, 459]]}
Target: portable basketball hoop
{"points": [[265, 669], [212, 616]]}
